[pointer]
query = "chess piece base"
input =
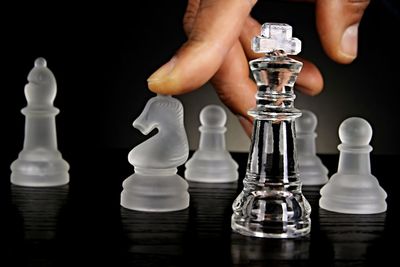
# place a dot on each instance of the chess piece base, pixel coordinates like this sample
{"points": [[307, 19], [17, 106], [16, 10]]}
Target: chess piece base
{"points": [[271, 212], [40, 173], [312, 171], [258, 229], [205, 168], [152, 193], [353, 194]]}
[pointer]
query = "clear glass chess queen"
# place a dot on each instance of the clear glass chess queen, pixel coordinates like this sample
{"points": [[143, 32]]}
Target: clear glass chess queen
{"points": [[271, 203]]}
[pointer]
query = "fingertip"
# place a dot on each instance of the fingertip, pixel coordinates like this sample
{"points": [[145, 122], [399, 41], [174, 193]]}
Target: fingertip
{"points": [[310, 80], [165, 87], [161, 78], [349, 42], [309, 91], [315, 84]]}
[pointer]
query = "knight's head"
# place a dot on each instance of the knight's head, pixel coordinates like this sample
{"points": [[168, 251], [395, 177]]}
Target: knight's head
{"points": [[160, 111]]}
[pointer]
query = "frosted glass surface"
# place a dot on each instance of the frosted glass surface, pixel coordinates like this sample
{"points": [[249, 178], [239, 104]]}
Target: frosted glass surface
{"points": [[274, 37], [155, 186], [40, 164], [212, 163], [353, 189], [311, 169]]}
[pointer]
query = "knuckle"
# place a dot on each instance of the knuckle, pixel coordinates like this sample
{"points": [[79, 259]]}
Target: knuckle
{"points": [[190, 15]]}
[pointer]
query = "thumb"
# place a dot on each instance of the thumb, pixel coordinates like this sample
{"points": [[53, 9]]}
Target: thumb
{"points": [[337, 25]]}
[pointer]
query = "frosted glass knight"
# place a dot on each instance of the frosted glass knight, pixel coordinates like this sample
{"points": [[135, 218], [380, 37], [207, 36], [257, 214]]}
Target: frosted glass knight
{"points": [[155, 186]]}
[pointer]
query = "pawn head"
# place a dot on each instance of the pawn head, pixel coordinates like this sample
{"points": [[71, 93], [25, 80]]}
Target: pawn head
{"points": [[355, 131], [307, 123], [213, 116]]}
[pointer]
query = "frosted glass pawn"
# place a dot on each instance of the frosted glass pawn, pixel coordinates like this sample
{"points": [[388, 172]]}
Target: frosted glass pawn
{"points": [[353, 189], [155, 186], [40, 164], [212, 163], [311, 169]]}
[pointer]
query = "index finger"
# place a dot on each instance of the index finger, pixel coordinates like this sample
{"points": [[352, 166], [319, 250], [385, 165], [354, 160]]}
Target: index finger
{"points": [[216, 27]]}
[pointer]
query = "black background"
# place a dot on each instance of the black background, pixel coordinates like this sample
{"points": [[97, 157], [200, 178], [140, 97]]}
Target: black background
{"points": [[102, 55]]}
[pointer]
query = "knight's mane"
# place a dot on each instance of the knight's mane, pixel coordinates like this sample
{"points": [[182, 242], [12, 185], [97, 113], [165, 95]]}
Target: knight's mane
{"points": [[170, 104]]}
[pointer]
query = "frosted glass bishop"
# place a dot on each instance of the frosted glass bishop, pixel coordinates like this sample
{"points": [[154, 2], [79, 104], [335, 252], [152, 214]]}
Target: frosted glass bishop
{"points": [[40, 164]]}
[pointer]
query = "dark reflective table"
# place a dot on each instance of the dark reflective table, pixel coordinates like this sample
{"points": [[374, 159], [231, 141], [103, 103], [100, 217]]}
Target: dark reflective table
{"points": [[83, 223]]}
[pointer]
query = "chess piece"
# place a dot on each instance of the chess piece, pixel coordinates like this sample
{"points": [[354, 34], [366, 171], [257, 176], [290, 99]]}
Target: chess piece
{"points": [[212, 163], [40, 164], [311, 169], [271, 203], [353, 189], [155, 186]]}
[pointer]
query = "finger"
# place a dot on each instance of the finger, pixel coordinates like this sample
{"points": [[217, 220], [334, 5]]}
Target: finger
{"points": [[212, 36], [251, 28], [190, 15], [233, 84], [247, 125], [310, 80], [337, 25]]}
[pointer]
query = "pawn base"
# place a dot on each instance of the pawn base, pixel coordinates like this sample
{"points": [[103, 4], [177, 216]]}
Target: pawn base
{"points": [[155, 193], [40, 173], [211, 175], [312, 171], [211, 167], [353, 194], [338, 206]]}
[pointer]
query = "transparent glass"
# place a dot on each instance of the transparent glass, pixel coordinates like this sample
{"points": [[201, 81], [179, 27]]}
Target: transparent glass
{"points": [[155, 186], [40, 164], [271, 203]]}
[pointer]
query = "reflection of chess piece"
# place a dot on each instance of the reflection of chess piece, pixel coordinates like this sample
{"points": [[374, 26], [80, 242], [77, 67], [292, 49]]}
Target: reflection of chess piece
{"points": [[353, 189], [170, 230], [212, 163], [40, 163], [354, 236], [311, 169], [155, 186], [258, 252], [271, 203], [40, 209]]}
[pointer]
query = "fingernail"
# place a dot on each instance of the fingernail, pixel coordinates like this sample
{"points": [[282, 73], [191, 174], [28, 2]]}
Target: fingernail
{"points": [[246, 124], [163, 72], [350, 40]]}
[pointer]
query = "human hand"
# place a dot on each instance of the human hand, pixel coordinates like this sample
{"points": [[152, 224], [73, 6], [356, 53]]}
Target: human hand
{"points": [[218, 48]]}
